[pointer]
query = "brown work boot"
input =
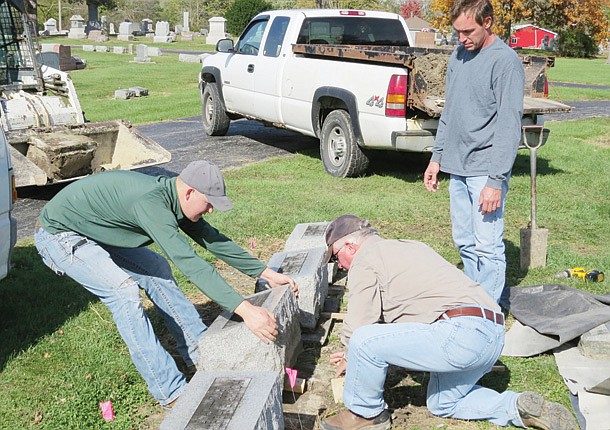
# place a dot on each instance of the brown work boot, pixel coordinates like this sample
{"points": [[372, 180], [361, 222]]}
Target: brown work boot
{"points": [[538, 413], [347, 420]]}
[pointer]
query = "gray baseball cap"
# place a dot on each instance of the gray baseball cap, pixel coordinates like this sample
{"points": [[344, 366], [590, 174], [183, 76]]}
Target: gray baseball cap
{"points": [[342, 226], [206, 178]]}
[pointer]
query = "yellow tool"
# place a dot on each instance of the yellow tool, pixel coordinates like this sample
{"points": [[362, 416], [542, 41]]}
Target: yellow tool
{"points": [[582, 273]]}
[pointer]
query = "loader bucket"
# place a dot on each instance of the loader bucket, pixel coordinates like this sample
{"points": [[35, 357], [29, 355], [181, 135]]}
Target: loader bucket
{"points": [[69, 153]]}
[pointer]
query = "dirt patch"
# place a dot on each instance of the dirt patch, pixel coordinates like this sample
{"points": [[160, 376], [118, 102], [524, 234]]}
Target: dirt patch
{"points": [[433, 69]]}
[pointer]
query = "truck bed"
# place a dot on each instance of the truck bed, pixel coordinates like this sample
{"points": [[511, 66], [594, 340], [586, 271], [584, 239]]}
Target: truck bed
{"points": [[427, 94]]}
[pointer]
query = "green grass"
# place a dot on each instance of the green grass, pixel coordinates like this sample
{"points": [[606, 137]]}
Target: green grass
{"points": [[172, 85], [592, 72], [61, 354]]}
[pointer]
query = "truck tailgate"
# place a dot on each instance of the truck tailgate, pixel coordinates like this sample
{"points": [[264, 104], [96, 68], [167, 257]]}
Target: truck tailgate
{"points": [[536, 105]]}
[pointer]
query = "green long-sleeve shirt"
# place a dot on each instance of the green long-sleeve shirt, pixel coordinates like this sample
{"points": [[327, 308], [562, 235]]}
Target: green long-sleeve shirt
{"points": [[130, 210]]}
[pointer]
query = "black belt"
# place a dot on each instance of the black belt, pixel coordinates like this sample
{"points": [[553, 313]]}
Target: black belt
{"points": [[472, 311]]}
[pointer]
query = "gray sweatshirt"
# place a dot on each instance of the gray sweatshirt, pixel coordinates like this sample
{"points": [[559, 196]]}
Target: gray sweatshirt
{"points": [[480, 128]]}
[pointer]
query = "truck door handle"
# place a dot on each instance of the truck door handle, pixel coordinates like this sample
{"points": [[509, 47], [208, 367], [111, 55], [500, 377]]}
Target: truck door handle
{"points": [[250, 68]]}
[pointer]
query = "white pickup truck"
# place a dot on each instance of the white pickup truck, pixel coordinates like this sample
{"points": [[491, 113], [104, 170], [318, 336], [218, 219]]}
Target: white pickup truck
{"points": [[8, 195], [351, 78]]}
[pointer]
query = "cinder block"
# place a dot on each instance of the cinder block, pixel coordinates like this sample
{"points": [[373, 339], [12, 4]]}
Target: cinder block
{"points": [[229, 401], [595, 343], [124, 94], [62, 155], [308, 268], [228, 344], [139, 91]]}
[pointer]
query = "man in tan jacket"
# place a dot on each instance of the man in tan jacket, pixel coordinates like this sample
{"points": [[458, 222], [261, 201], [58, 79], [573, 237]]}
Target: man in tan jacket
{"points": [[409, 307]]}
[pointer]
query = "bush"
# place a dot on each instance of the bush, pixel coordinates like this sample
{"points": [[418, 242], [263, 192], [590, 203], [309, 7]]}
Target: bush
{"points": [[576, 43], [241, 12]]}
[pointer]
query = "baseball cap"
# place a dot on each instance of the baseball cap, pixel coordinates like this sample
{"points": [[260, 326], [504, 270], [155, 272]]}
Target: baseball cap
{"points": [[344, 225], [205, 177]]}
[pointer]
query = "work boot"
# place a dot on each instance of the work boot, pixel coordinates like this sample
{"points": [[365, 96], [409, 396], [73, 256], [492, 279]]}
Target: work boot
{"points": [[347, 420], [538, 413]]}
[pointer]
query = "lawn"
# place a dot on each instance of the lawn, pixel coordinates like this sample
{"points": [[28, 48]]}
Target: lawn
{"points": [[61, 354]]}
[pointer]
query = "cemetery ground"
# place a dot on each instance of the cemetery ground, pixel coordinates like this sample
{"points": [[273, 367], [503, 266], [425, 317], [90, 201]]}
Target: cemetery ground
{"points": [[61, 354]]}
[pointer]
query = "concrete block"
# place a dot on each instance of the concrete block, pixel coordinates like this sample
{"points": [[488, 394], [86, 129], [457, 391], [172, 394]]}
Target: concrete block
{"points": [[62, 155], [229, 401], [190, 58], [306, 236], [595, 343], [89, 48], [119, 50], [101, 48], [228, 344], [124, 94], [309, 269], [139, 91]]}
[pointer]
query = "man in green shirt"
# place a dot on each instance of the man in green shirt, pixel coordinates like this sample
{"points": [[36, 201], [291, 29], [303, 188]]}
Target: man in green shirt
{"points": [[96, 231]]}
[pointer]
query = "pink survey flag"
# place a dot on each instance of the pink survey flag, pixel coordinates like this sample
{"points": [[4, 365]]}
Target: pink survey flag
{"points": [[107, 412], [292, 376]]}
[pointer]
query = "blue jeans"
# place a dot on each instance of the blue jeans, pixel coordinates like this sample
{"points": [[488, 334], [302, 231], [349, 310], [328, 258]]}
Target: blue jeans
{"points": [[457, 352], [479, 238], [116, 276]]}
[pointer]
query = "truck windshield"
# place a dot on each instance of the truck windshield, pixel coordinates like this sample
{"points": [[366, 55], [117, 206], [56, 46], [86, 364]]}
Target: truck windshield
{"points": [[350, 30]]}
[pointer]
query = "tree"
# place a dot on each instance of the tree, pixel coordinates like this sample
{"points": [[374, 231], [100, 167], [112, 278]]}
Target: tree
{"points": [[411, 8], [241, 12], [506, 12], [576, 43]]}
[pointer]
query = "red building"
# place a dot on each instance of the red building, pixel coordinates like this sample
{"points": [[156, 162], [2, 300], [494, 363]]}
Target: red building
{"points": [[531, 36]]}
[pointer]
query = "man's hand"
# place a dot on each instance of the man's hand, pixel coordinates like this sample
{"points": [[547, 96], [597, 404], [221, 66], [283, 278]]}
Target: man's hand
{"points": [[276, 279], [339, 360], [430, 176], [490, 199], [260, 321]]}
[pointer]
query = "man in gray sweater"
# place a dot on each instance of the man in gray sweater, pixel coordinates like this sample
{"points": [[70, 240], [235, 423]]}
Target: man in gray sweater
{"points": [[477, 140]]}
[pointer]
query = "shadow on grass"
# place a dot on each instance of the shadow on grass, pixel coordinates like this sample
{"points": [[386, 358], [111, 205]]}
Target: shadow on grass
{"points": [[35, 302]]}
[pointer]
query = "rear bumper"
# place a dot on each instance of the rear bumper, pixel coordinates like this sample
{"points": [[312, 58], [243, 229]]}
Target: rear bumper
{"points": [[413, 141]]}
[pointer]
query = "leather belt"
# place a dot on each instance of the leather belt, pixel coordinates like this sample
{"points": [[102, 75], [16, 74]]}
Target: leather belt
{"points": [[472, 311]]}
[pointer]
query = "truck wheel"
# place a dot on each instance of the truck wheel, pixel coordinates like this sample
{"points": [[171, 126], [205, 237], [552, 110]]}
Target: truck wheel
{"points": [[340, 153], [215, 119]]}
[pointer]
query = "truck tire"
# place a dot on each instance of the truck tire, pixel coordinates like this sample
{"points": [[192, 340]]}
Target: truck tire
{"points": [[340, 153], [215, 119]]}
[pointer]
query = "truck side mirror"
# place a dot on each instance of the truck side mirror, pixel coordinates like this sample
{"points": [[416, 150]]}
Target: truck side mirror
{"points": [[225, 45]]}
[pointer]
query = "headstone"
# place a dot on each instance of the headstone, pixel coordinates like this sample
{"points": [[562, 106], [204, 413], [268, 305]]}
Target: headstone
{"points": [[50, 59], [248, 352], [309, 270], [77, 28], [50, 26], [187, 37], [154, 51], [178, 29], [139, 91], [119, 50], [66, 61], [124, 94], [97, 36], [185, 22], [149, 31], [162, 34], [125, 32], [141, 54], [310, 235], [191, 58], [102, 48], [229, 401], [217, 30], [203, 31], [111, 30], [88, 48]]}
